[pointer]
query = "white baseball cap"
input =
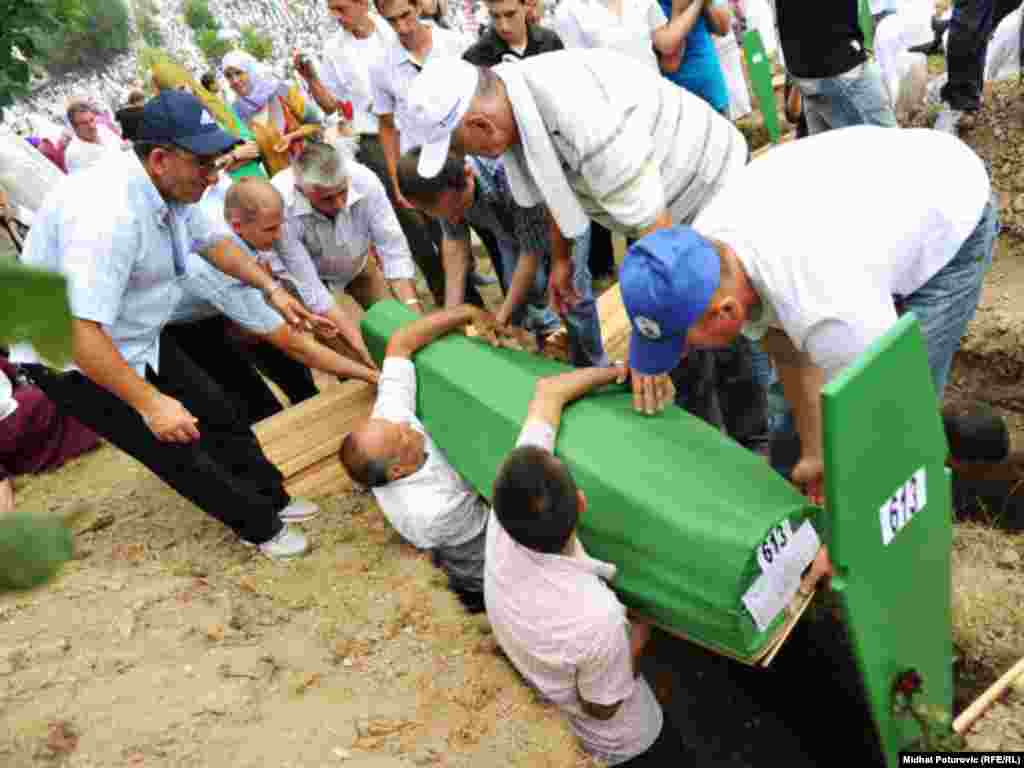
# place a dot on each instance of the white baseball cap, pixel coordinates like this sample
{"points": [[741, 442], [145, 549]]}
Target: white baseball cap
{"points": [[439, 98]]}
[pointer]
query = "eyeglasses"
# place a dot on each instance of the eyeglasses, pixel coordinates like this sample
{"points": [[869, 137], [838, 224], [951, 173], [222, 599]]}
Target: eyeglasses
{"points": [[207, 166]]}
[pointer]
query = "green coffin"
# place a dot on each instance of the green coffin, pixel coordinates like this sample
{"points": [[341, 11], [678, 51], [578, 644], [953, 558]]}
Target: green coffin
{"points": [[678, 507]]}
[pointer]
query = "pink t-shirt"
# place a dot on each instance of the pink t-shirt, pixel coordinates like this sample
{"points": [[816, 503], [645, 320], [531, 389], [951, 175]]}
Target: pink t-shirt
{"points": [[565, 631]]}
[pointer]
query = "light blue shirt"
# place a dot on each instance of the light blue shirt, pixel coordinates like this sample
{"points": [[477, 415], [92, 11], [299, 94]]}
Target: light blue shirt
{"points": [[122, 248], [207, 292]]}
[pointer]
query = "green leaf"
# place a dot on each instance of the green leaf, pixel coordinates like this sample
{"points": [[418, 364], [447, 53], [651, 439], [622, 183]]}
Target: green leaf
{"points": [[35, 309]]}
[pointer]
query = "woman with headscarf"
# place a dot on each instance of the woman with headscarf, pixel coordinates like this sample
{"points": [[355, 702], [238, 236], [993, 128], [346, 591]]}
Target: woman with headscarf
{"points": [[278, 113]]}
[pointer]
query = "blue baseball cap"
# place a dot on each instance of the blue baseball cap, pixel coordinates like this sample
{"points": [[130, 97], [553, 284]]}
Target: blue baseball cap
{"points": [[667, 280], [179, 118]]}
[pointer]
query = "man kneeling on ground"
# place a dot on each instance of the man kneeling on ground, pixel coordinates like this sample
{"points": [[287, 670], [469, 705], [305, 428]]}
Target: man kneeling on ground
{"points": [[551, 612], [420, 493]]}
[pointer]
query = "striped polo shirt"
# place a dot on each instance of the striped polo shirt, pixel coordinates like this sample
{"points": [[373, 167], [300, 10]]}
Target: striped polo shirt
{"points": [[627, 142]]}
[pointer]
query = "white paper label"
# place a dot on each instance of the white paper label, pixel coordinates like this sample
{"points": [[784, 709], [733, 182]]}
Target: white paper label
{"points": [[775, 588], [900, 508]]}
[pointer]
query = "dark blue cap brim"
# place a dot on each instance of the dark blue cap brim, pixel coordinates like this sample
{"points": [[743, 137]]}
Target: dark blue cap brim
{"points": [[655, 356], [212, 143]]}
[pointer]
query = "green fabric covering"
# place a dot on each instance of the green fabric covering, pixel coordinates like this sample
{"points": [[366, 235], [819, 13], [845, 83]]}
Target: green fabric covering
{"points": [[676, 505]]}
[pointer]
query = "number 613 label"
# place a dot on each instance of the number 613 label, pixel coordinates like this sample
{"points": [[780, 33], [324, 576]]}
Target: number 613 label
{"points": [[900, 508]]}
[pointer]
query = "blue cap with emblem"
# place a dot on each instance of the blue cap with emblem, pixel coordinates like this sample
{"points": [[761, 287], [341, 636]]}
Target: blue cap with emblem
{"points": [[667, 279], [179, 118]]}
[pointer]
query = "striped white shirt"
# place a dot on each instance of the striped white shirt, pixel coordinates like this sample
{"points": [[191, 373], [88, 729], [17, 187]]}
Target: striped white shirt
{"points": [[628, 143]]}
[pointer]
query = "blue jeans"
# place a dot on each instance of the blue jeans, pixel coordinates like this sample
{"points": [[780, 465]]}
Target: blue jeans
{"points": [[857, 97], [582, 324], [946, 303]]}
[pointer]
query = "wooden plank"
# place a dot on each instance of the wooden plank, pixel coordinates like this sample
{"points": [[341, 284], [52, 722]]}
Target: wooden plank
{"points": [[303, 441]]}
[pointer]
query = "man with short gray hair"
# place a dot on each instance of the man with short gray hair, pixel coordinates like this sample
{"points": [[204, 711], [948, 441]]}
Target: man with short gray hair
{"points": [[336, 212], [92, 142]]}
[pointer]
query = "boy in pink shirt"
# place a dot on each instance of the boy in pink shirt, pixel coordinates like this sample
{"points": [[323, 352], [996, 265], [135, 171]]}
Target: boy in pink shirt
{"points": [[548, 601]]}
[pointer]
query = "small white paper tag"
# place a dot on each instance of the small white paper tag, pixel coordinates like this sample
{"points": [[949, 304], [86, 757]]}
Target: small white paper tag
{"points": [[775, 588], [900, 508]]}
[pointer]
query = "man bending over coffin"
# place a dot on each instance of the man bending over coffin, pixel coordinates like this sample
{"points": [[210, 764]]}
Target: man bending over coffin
{"points": [[819, 300], [548, 602], [420, 493]]}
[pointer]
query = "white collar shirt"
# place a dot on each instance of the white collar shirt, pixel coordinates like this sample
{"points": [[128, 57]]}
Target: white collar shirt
{"points": [[123, 249], [830, 284], [434, 506], [83, 154], [317, 251], [566, 632], [345, 69], [591, 24], [394, 72]]}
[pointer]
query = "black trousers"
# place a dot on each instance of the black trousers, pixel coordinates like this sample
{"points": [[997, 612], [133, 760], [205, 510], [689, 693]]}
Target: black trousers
{"points": [[224, 472], [601, 258], [969, 31], [424, 235], [230, 361], [719, 387]]}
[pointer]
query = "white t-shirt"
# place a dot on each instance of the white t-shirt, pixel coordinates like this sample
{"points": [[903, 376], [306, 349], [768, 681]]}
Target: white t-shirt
{"points": [[393, 73], [827, 245], [591, 24], [563, 627], [433, 506], [346, 66], [82, 154]]}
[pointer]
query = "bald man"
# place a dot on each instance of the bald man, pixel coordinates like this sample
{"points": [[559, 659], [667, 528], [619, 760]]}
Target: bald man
{"points": [[420, 493], [251, 209]]}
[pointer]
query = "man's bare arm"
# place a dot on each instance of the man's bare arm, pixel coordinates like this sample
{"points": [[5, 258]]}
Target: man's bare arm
{"points": [[553, 393], [562, 294], [455, 258], [231, 260], [801, 382], [389, 143], [97, 357], [311, 353], [411, 338]]}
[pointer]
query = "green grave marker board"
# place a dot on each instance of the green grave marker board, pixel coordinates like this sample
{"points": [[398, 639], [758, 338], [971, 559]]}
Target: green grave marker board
{"points": [[760, 68], [680, 508], [889, 526]]}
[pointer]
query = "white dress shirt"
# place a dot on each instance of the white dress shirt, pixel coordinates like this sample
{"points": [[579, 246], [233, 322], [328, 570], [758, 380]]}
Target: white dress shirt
{"points": [[345, 69], [434, 506], [315, 250], [122, 248], [394, 72]]}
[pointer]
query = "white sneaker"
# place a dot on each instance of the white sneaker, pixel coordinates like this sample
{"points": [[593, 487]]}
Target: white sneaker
{"points": [[288, 543], [948, 120], [299, 510]]}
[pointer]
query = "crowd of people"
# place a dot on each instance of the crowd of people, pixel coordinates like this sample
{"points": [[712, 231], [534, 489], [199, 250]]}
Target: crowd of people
{"points": [[207, 232]]}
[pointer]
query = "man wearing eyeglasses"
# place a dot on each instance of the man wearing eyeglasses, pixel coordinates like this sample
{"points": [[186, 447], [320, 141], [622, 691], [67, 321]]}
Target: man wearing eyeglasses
{"points": [[121, 232]]}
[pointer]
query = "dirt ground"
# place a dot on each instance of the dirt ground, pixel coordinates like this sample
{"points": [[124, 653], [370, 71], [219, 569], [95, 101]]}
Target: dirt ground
{"points": [[167, 643]]}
